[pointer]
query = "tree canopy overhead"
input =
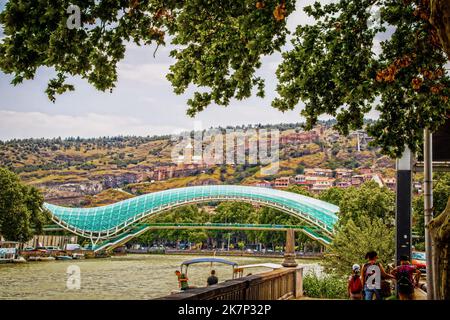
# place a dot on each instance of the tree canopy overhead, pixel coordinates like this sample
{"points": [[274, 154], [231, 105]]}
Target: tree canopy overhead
{"points": [[333, 67]]}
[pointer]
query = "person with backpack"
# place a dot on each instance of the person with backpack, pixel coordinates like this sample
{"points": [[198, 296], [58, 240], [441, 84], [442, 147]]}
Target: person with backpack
{"points": [[355, 286], [407, 277], [372, 275]]}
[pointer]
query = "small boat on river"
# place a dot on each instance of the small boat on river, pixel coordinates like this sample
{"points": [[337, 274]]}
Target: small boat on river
{"points": [[8, 251], [183, 274], [45, 258], [19, 259], [77, 256], [63, 258]]}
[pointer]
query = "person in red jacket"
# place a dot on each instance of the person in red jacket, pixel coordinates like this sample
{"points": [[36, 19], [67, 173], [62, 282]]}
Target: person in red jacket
{"points": [[355, 286]]}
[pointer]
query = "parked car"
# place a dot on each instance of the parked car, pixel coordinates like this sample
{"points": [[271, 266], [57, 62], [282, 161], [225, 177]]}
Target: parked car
{"points": [[156, 249], [419, 259]]}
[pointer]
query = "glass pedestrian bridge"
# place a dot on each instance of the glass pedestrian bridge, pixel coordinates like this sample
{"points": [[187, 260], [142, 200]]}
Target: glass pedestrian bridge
{"points": [[107, 222]]}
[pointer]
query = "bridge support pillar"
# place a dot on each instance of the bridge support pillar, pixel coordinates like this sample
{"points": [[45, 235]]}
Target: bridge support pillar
{"points": [[289, 253]]}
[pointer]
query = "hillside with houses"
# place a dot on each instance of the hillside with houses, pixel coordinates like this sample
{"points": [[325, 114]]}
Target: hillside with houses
{"points": [[97, 171]]}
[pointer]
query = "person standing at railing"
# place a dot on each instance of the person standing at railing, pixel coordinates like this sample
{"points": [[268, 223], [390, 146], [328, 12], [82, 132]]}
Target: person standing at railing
{"points": [[182, 280], [212, 279]]}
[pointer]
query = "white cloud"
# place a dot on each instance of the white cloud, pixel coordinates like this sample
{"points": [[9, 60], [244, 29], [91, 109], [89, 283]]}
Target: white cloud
{"points": [[149, 100], [149, 74], [143, 102], [36, 124]]}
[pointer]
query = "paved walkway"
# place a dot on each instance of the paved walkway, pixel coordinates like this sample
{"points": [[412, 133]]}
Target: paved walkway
{"points": [[419, 295]]}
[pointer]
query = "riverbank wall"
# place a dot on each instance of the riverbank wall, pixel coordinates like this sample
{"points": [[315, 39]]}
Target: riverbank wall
{"points": [[234, 253]]}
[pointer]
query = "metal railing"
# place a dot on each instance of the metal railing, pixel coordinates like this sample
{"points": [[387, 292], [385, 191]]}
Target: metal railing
{"points": [[286, 283]]}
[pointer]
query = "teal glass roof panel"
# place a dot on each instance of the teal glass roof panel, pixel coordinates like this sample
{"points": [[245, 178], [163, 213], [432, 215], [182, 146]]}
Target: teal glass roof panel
{"points": [[102, 219]]}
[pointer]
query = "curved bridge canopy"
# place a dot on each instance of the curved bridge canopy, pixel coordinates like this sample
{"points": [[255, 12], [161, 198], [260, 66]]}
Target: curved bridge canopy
{"points": [[108, 221]]}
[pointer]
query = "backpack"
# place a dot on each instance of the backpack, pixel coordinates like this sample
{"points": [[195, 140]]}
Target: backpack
{"points": [[355, 285], [404, 280]]}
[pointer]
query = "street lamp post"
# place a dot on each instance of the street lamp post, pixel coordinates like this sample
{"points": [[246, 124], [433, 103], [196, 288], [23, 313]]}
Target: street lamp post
{"points": [[428, 208], [403, 205]]}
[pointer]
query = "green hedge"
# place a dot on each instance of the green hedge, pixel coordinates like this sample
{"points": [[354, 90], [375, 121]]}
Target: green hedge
{"points": [[325, 287]]}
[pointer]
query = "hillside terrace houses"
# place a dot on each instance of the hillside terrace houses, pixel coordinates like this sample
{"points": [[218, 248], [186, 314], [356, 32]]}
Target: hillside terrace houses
{"points": [[343, 184], [160, 173], [307, 181], [359, 179], [283, 182], [300, 179], [317, 180], [318, 172], [143, 172], [299, 138], [343, 173], [163, 173], [322, 184], [263, 184], [390, 183], [312, 183], [365, 171]]}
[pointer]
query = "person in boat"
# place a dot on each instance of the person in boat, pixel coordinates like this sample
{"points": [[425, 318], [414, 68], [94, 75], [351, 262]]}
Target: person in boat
{"points": [[212, 279], [182, 280]]}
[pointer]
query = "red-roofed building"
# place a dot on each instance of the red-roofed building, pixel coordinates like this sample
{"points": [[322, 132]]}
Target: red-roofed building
{"points": [[283, 182]]}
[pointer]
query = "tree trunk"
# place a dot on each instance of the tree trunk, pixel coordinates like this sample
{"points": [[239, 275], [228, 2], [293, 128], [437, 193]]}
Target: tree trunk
{"points": [[440, 233], [440, 19]]}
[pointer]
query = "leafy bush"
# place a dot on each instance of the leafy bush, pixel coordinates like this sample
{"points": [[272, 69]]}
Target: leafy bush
{"points": [[354, 239], [326, 287], [420, 246]]}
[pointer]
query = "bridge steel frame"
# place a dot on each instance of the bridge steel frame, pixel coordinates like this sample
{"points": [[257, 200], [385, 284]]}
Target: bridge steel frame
{"points": [[253, 227]]}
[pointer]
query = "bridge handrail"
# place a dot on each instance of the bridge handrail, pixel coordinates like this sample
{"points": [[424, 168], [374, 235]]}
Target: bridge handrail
{"points": [[219, 224]]}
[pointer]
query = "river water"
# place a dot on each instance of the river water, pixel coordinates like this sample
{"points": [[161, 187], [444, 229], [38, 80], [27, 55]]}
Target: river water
{"points": [[120, 277]]}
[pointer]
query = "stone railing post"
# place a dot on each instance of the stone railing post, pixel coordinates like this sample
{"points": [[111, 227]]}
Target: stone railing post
{"points": [[298, 282], [289, 253]]}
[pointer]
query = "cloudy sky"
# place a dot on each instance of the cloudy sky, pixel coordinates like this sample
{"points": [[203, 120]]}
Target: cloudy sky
{"points": [[142, 104]]}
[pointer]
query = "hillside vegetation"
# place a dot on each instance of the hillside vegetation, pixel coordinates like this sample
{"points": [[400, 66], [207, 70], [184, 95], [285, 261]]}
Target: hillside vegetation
{"points": [[77, 171]]}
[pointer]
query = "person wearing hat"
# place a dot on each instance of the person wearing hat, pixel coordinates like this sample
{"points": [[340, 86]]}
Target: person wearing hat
{"points": [[355, 286]]}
